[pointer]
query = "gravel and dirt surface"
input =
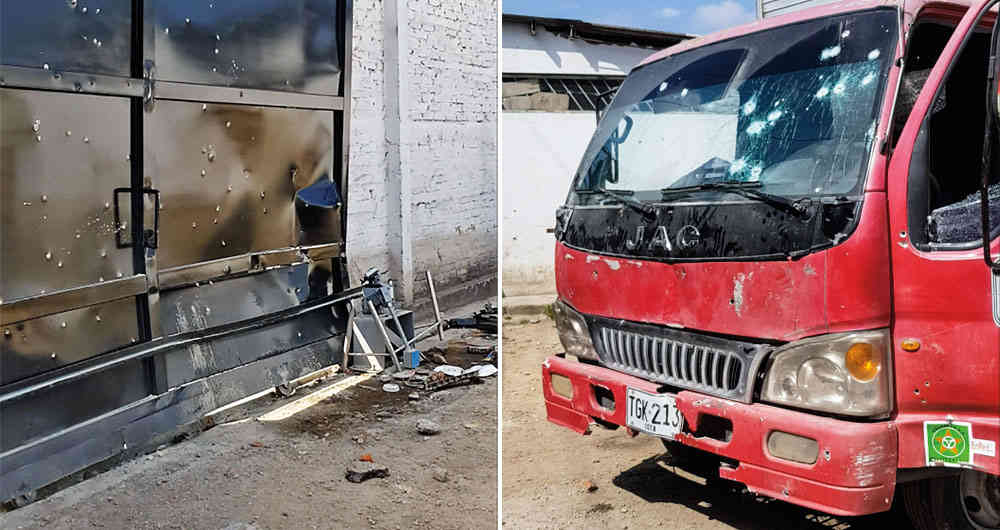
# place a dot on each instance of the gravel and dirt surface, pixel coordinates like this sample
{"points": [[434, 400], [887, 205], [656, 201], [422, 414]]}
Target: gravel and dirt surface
{"points": [[248, 474], [548, 470]]}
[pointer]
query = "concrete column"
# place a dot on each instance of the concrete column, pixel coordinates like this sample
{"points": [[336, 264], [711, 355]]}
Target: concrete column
{"points": [[397, 136]]}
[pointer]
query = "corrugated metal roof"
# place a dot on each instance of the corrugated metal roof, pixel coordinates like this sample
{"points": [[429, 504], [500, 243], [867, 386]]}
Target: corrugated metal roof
{"points": [[770, 8], [601, 33]]}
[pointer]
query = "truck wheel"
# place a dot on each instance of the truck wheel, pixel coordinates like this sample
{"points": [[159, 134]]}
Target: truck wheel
{"points": [[968, 501]]}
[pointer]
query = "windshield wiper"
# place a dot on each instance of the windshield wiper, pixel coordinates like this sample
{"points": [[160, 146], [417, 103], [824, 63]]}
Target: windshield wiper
{"points": [[637, 205], [749, 189]]}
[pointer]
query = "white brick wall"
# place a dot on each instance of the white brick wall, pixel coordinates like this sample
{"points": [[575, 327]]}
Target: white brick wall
{"points": [[448, 98]]}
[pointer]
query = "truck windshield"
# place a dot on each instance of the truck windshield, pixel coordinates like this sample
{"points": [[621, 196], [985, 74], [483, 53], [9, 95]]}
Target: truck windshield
{"points": [[791, 109]]}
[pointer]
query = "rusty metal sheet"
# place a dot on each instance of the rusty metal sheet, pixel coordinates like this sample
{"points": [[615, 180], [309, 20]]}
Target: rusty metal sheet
{"points": [[62, 157]]}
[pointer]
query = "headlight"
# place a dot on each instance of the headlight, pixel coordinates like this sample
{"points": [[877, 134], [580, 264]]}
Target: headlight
{"points": [[846, 373], [573, 331]]}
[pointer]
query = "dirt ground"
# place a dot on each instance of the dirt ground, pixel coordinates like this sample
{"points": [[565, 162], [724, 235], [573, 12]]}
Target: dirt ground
{"points": [[545, 468], [246, 474]]}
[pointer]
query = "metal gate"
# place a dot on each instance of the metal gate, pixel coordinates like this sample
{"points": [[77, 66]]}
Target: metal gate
{"points": [[172, 187]]}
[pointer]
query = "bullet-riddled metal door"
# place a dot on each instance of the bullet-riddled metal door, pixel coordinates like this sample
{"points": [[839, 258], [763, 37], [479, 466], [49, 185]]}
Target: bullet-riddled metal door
{"points": [[172, 181], [71, 288], [241, 140]]}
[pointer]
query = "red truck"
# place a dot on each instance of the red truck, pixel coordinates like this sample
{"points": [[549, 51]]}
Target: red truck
{"points": [[773, 256]]}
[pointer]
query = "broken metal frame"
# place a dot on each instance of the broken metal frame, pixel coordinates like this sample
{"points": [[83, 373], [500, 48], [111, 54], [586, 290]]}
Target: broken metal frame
{"points": [[437, 327]]}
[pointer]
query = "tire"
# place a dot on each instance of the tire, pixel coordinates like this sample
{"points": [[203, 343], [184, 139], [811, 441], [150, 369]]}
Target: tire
{"points": [[969, 501]]}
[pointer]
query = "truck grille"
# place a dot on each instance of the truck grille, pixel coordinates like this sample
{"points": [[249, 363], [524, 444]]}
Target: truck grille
{"points": [[686, 360]]}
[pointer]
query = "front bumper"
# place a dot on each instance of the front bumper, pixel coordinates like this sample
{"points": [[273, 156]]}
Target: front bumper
{"points": [[855, 473]]}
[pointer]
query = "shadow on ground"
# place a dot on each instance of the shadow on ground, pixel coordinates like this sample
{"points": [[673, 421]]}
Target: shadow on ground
{"points": [[655, 480]]}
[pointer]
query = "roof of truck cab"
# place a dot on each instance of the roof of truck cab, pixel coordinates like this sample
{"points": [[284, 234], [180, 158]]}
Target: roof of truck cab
{"points": [[910, 9]]}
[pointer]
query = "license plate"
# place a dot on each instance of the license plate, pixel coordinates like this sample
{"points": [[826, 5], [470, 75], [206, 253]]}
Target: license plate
{"points": [[653, 413]]}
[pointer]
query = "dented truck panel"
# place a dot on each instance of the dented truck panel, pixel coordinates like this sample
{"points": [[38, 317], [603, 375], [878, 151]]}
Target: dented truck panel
{"points": [[173, 180], [741, 298], [942, 299], [854, 475]]}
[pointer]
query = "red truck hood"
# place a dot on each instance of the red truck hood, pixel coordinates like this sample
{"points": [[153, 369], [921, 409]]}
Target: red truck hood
{"points": [[846, 287]]}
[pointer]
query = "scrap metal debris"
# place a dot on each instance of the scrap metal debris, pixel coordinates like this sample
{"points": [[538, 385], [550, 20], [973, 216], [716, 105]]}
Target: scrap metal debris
{"points": [[449, 370], [484, 320], [440, 380]]}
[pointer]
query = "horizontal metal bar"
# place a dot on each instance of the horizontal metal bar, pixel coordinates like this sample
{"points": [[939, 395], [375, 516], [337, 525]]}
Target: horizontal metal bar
{"points": [[421, 336], [82, 425], [60, 301], [136, 352], [246, 96], [205, 271], [244, 263], [329, 250], [40, 78]]}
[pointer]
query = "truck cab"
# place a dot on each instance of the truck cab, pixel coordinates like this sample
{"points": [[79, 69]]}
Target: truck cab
{"points": [[772, 254]]}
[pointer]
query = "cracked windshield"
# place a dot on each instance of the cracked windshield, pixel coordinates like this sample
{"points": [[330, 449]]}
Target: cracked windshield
{"points": [[791, 111]]}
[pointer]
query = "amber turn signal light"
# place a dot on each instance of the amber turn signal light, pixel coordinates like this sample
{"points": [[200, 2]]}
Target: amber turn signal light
{"points": [[861, 361], [910, 345]]}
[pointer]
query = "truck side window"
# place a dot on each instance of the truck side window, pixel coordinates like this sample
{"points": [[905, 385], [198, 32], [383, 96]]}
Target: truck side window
{"points": [[944, 172], [924, 48]]}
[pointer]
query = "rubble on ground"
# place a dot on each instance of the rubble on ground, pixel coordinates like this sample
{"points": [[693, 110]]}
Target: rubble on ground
{"points": [[358, 472]]}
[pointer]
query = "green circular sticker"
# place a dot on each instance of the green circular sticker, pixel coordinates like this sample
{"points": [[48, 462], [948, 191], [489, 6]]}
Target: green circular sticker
{"points": [[948, 442]]}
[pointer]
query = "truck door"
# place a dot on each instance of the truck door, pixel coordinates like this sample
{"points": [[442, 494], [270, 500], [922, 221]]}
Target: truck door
{"points": [[944, 331]]}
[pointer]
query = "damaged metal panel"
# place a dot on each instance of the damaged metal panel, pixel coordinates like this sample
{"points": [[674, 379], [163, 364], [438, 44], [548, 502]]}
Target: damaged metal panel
{"points": [[710, 230], [66, 35], [60, 164], [42, 344], [237, 179], [24, 420], [236, 299], [63, 156], [286, 45], [126, 430]]}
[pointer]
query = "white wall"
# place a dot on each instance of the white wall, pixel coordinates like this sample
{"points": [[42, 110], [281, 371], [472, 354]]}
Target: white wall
{"points": [[547, 53], [541, 152], [424, 143]]}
